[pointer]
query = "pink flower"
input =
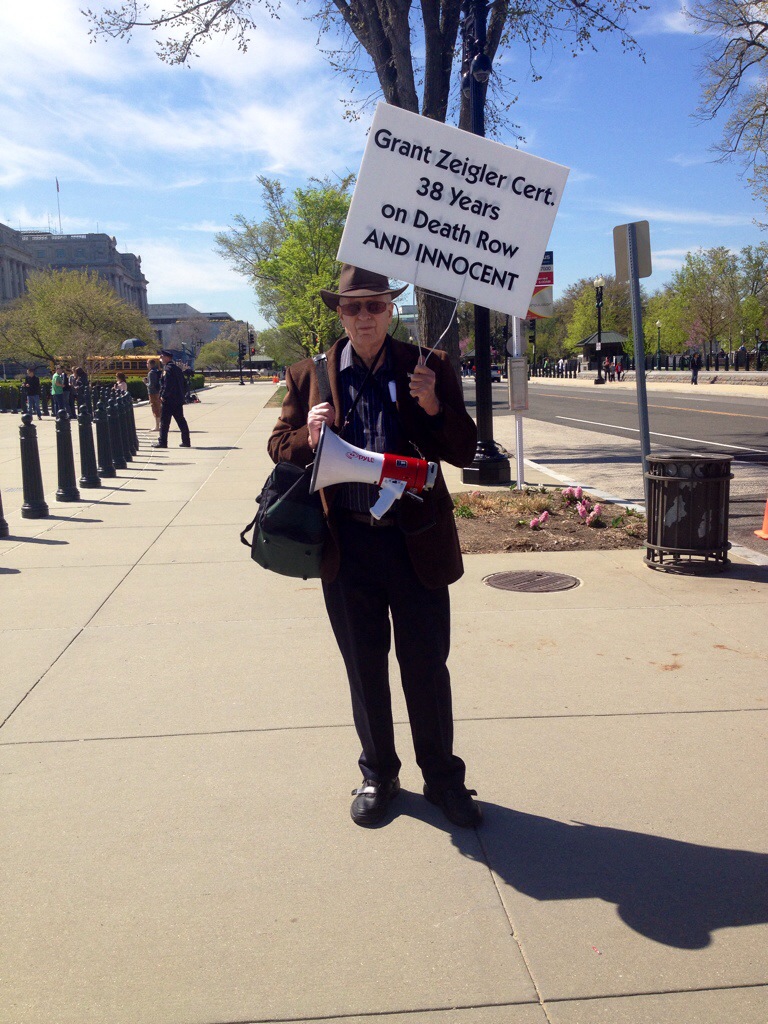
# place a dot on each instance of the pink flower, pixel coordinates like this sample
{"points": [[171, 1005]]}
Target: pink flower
{"points": [[583, 509], [579, 493], [534, 524], [544, 517]]}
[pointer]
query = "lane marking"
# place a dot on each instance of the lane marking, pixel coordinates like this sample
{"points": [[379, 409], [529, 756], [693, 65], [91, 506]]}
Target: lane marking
{"points": [[668, 408], [673, 437]]}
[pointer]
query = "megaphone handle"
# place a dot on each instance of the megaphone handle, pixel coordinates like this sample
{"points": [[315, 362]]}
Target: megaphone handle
{"points": [[390, 491]]}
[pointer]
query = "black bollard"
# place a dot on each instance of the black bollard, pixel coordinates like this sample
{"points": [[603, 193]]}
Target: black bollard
{"points": [[34, 506], [89, 471], [65, 459], [45, 392], [127, 403], [106, 468], [132, 425], [4, 531], [115, 435], [122, 412]]}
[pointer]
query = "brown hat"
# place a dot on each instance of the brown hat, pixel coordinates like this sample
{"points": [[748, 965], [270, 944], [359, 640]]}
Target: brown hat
{"points": [[356, 283]]}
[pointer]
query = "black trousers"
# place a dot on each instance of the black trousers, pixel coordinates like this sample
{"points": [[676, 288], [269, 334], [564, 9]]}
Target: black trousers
{"points": [[177, 412], [376, 580]]}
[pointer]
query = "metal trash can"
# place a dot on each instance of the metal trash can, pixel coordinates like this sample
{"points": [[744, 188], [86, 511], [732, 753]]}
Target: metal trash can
{"points": [[687, 512]]}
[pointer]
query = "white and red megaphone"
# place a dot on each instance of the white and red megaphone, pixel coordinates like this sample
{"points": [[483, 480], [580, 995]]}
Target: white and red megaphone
{"points": [[337, 462]]}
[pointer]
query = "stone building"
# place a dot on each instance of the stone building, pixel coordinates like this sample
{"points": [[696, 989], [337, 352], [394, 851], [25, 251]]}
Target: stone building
{"points": [[24, 251], [183, 328], [15, 264]]}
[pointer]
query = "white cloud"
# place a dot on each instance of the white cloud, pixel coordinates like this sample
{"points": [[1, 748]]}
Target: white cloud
{"points": [[678, 216], [175, 269]]}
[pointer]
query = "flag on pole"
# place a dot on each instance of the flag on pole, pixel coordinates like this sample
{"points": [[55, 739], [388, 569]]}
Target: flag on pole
{"points": [[57, 185]]}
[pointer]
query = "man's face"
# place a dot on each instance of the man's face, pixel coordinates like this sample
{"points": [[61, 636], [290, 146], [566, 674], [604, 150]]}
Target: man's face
{"points": [[366, 320]]}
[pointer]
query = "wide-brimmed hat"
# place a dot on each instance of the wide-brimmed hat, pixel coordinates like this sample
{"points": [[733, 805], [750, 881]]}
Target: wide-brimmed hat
{"points": [[356, 283]]}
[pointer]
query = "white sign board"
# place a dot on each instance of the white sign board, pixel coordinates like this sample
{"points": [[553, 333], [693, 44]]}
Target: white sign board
{"points": [[451, 211]]}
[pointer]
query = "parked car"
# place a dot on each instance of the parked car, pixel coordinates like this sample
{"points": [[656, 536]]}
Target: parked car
{"points": [[495, 374]]}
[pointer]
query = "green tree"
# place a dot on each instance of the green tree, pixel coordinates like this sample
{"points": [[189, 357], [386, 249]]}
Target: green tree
{"points": [[709, 289], [289, 257], [616, 312], [69, 316], [221, 352], [409, 50]]}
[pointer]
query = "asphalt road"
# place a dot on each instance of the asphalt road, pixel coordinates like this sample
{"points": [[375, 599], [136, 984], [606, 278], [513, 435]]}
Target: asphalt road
{"points": [[704, 421]]}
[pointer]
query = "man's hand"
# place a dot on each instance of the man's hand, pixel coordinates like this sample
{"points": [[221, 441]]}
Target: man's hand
{"points": [[423, 389], [318, 415]]}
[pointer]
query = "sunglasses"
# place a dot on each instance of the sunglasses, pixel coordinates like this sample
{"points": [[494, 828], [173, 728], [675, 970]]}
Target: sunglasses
{"points": [[374, 307]]}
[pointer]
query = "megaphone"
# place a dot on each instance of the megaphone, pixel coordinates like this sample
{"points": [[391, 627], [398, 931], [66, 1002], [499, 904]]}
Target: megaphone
{"points": [[338, 462]]}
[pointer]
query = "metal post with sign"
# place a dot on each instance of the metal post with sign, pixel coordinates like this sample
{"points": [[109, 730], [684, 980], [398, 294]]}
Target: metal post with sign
{"points": [[632, 253]]}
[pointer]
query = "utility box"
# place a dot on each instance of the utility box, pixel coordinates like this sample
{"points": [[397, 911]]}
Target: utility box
{"points": [[517, 376], [687, 512]]}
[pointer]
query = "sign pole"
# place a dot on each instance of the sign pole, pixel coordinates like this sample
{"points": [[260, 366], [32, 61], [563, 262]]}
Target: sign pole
{"points": [[639, 345], [489, 466]]}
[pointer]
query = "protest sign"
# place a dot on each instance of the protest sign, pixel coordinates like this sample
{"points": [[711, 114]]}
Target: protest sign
{"points": [[451, 211]]}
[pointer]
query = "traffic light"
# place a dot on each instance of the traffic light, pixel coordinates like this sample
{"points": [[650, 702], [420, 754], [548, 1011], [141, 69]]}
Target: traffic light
{"points": [[241, 350], [253, 351]]}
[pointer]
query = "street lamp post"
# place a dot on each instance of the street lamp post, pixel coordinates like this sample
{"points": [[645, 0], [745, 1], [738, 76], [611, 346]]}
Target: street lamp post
{"points": [[658, 344], [489, 466], [599, 282]]}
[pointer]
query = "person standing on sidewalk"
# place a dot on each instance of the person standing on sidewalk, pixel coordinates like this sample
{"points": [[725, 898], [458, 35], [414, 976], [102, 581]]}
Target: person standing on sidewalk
{"points": [[154, 378], [387, 398], [31, 387], [172, 392], [695, 367], [57, 391]]}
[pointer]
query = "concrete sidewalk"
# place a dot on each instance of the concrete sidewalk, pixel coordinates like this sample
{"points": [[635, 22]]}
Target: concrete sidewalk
{"points": [[178, 752]]}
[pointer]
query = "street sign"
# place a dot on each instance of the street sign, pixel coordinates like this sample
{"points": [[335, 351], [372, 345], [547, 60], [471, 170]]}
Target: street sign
{"points": [[643, 238], [451, 211]]}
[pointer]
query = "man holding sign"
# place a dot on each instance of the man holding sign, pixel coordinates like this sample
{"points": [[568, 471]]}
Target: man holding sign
{"points": [[386, 397]]}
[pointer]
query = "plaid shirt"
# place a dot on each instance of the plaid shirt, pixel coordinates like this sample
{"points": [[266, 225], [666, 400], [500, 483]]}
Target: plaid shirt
{"points": [[374, 426]]}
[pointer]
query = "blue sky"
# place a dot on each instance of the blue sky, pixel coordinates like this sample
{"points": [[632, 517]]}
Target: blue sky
{"points": [[163, 157]]}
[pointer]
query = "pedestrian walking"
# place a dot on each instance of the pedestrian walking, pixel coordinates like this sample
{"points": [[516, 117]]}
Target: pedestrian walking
{"points": [[172, 391], [31, 386], [153, 380]]}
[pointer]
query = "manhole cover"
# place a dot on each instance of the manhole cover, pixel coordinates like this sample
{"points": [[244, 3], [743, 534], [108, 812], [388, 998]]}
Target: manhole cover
{"points": [[532, 582]]}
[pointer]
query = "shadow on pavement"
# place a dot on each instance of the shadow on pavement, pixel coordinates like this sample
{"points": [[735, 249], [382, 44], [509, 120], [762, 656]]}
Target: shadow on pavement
{"points": [[44, 540], [673, 892]]}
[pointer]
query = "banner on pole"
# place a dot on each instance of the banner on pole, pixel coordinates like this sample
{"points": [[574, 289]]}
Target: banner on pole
{"points": [[542, 301], [452, 212]]}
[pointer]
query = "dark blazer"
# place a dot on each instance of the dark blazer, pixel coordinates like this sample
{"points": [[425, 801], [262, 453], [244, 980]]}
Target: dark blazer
{"points": [[429, 527]]}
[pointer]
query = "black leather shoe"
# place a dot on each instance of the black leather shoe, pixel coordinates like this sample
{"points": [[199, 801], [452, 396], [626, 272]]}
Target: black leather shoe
{"points": [[182, 445], [372, 801], [457, 805], [158, 445]]}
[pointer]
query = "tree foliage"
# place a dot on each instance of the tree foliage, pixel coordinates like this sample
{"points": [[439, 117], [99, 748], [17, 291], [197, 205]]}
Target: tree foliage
{"points": [[734, 80], [68, 316], [221, 353], [407, 53], [616, 313], [289, 257]]}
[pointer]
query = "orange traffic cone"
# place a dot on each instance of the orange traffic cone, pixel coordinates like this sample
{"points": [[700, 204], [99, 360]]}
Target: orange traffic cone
{"points": [[764, 532]]}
